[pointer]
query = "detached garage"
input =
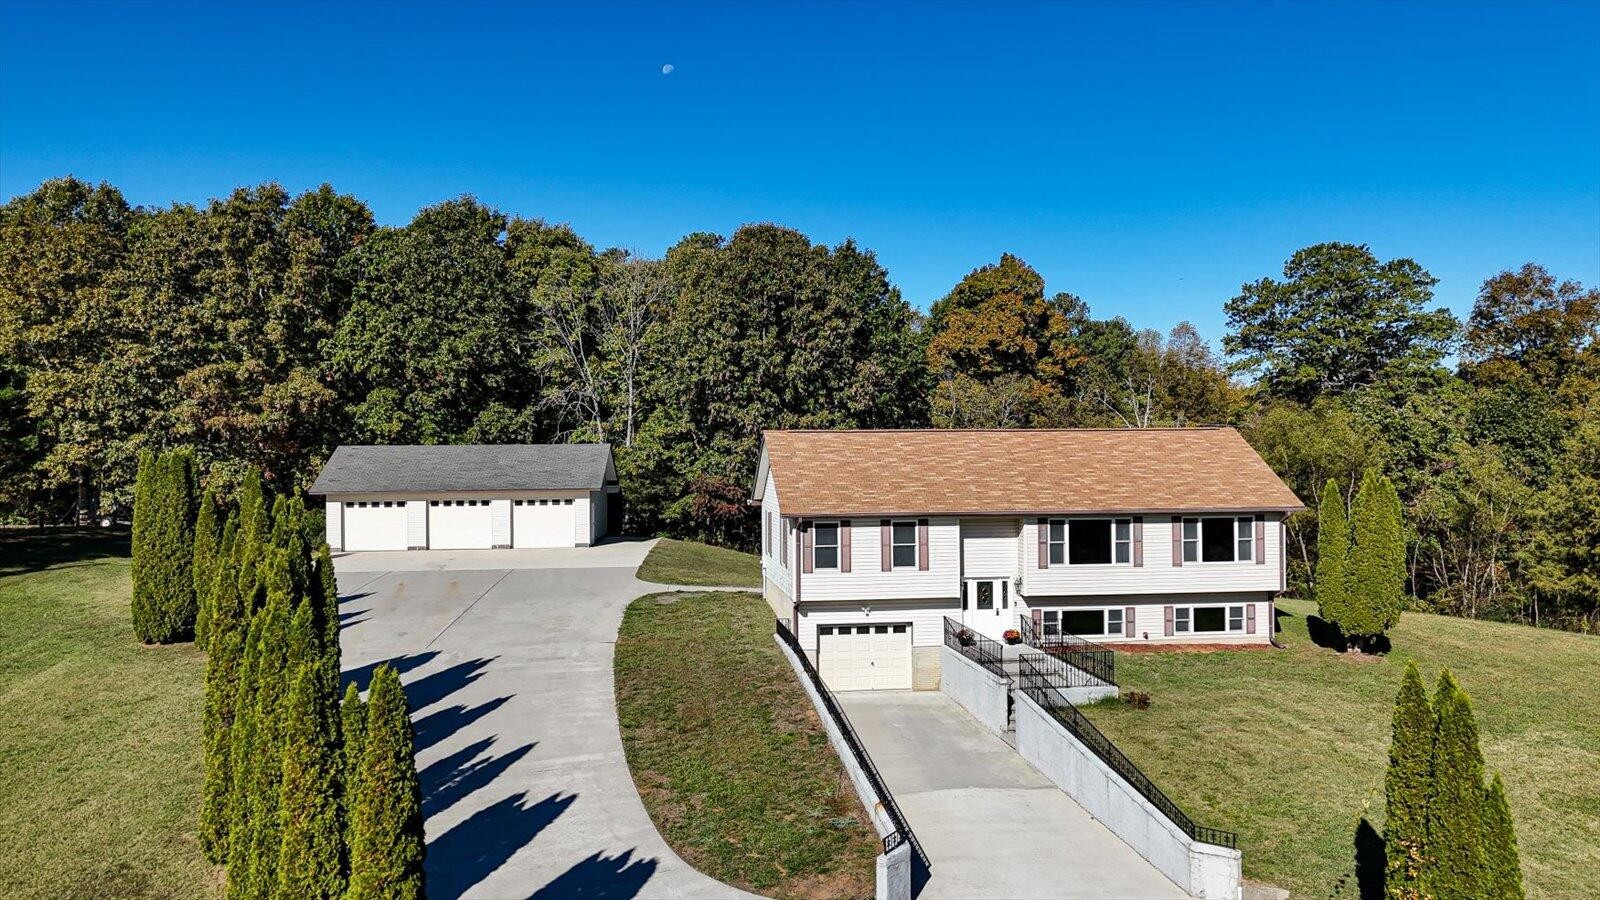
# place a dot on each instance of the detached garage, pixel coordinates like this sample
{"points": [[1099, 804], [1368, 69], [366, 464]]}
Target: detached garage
{"points": [[471, 497]]}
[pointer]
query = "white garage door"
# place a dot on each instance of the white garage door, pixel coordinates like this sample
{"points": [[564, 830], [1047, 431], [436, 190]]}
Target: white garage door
{"points": [[543, 523], [459, 525], [375, 525], [865, 657]]}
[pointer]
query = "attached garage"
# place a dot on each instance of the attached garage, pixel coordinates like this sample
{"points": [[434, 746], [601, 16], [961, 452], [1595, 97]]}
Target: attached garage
{"points": [[473, 497], [865, 657], [375, 525]]}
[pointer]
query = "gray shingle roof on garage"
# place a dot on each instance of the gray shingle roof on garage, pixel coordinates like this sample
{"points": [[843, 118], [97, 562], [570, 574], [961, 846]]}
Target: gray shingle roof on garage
{"points": [[411, 469]]}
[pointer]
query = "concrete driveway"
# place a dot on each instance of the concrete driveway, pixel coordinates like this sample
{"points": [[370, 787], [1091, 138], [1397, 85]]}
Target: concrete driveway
{"points": [[992, 826], [507, 656]]}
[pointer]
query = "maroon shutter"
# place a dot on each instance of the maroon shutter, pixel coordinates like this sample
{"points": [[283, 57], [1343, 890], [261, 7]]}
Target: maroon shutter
{"points": [[844, 545], [1166, 614], [886, 544], [1044, 543], [766, 534], [1138, 542], [806, 547], [783, 542], [1038, 622], [1250, 619], [1177, 542], [922, 545], [1127, 622], [1261, 540], [1272, 616]]}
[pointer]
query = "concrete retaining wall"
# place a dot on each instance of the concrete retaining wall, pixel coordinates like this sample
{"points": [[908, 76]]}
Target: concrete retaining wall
{"points": [[894, 867], [1203, 870], [979, 691]]}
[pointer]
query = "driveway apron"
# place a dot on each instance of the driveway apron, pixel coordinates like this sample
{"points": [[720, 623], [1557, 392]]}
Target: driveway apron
{"points": [[992, 826], [526, 791]]}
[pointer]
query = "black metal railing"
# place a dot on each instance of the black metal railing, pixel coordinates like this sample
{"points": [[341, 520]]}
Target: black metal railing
{"points": [[1094, 660], [984, 651], [902, 830], [1035, 684], [1062, 674]]}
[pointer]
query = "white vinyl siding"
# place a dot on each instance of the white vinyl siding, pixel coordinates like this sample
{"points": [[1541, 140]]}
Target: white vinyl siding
{"points": [[599, 510], [866, 577], [1158, 575], [333, 519], [989, 547], [926, 617]]}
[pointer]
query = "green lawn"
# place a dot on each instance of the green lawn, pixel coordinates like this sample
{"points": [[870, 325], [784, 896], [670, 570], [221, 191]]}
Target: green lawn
{"points": [[689, 563], [1288, 748], [728, 753], [99, 736]]}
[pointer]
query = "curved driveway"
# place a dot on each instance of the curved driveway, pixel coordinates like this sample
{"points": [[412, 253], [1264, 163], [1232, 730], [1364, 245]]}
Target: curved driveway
{"points": [[507, 659]]}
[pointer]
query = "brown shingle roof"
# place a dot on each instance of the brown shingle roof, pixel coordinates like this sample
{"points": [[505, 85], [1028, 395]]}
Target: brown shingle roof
{"points": [[950, 471]]}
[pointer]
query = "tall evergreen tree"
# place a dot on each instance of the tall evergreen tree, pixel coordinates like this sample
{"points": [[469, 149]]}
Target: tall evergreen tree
{"points": [[1504, 876], [1408, 785], [325, 594], [207, 554], [353, 730], [240, 756], [145, 516], [255, 840], [164, 583], [311, 854], [255, 527], [223, 664], [1453, 868], [1377, 567], [1333, 555], [386, 841]]}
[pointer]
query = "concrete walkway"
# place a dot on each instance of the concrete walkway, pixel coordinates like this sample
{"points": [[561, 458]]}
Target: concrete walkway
{"points": [[507, 660], [992, 826]]}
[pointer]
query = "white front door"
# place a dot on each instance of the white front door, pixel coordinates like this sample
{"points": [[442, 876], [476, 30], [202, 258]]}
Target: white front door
{"points": [[986, 606]]}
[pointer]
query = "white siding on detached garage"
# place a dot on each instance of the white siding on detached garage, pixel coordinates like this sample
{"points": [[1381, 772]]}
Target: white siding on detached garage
{"points": [[333, 518]]}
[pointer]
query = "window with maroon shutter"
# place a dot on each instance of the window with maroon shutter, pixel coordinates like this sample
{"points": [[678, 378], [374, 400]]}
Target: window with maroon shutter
{"points": [[885, 546], [1127, 622], [922, 545]]}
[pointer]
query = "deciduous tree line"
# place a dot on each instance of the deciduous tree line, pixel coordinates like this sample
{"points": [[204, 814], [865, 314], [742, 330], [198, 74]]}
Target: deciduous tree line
{"points": [[264, 329]]}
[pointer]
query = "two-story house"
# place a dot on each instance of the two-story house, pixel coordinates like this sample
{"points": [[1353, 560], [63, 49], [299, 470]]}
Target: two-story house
{"points": [[870, 539]]}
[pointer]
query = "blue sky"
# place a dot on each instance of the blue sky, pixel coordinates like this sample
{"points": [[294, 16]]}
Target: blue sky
{"points": [[1149, 158]]}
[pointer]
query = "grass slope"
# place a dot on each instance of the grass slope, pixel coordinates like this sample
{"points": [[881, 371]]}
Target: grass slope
{"points": [[1289, 747], [100, 764], [728, 753], [689, 563]]}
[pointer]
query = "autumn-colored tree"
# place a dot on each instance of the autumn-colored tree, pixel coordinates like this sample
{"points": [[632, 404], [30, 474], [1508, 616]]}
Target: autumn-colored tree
{"points": [[1527, 326]]}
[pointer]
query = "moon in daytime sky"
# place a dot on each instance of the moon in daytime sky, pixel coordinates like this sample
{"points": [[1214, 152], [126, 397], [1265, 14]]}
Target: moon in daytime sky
{"points": [[666, 69]]}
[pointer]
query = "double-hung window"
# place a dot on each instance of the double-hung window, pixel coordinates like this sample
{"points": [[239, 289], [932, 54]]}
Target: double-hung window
{"points": [[1091, 542], [1219, 539], [825, 545], [1207, 619], [903, 536]]}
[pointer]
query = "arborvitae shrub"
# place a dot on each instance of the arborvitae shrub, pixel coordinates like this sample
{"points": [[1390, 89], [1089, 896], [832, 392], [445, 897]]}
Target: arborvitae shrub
{"points": [[353, 731], [207, 557], [223, 663], [1377, 568], [242, 757], [1504, 869], [1454, 866], [145, 516], [325, 594], [386, 843], [1333, 555], [1408, 784], [164, 600], [311, 852], [252, 870]]}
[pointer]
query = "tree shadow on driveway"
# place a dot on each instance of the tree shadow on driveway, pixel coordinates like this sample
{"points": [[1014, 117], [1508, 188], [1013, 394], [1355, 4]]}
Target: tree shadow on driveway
{"points": [[479, 845]]}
